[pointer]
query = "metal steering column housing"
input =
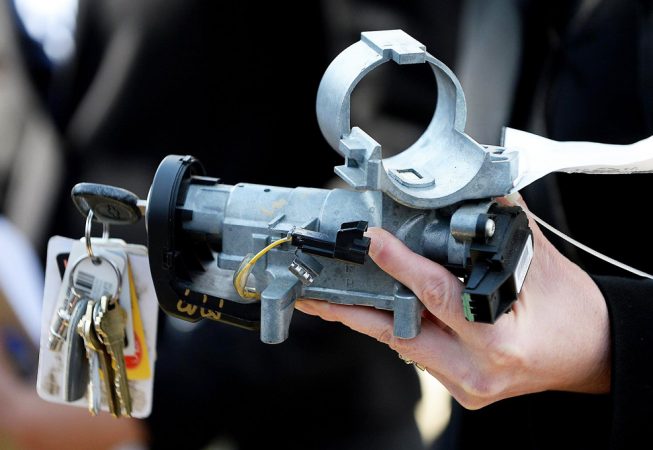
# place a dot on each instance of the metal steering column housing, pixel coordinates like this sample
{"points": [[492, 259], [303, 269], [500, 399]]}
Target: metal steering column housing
{"points": [[443, 167]]}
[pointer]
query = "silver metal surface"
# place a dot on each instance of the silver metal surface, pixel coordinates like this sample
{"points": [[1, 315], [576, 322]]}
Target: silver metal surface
{"points": [[247, 217], [87, 236], [443, 167], [464, 222], [434, 197]]}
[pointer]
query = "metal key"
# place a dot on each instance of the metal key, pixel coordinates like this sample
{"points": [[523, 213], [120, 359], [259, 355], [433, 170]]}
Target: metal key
{"points": [[95, 389], [60, 321], [110, 323], [94, 382], [99, 362], [110, 204]]}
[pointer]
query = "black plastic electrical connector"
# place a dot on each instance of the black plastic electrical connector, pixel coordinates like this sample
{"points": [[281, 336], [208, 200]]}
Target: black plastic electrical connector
{"points": [[350, 244], [498, 266]]}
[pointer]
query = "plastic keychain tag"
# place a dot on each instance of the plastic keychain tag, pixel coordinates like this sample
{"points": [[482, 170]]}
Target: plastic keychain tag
{"points": [[137, 297]]}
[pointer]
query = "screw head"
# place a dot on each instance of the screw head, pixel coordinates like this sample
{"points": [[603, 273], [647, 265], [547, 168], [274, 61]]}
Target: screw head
{"points": [[490, 228]]}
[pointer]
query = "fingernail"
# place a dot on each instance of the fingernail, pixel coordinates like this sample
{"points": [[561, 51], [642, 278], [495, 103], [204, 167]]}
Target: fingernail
{"points": [[376, 244], [514, 198]]}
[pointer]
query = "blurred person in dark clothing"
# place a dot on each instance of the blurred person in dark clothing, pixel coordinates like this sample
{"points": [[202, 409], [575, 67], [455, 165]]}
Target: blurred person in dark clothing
{"points": [[151, 78], [586, 74]]}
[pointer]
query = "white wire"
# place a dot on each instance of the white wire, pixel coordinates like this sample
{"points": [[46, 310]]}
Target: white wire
{"points": [[584, 247]]}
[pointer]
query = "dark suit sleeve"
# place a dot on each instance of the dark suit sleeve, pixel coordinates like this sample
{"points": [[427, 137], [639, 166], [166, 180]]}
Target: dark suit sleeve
{"points": [[630, 306]]}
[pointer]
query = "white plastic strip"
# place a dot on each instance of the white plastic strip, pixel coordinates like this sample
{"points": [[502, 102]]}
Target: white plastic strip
{"points": [[21, 278], [584, 247], [539, 156]]}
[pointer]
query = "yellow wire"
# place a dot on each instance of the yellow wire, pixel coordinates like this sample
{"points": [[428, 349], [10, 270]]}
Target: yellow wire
{"points": [[240, 279]]}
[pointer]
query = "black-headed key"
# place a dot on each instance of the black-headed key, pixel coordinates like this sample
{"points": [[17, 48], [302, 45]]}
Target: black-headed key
{"points": [[110, 205]]}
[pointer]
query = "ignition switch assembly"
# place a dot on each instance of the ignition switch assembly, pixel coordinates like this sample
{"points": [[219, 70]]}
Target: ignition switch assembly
{"points": [[243, 254]]}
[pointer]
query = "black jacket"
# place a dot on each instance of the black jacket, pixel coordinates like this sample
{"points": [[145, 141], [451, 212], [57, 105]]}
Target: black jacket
{"points": [[593, 79]]}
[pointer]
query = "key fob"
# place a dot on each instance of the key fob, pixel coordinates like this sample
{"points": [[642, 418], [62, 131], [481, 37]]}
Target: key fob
{"points": [[76, 364]]}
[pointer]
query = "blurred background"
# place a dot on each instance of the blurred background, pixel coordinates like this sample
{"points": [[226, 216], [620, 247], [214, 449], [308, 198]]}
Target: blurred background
{"points": [[101, 91]]}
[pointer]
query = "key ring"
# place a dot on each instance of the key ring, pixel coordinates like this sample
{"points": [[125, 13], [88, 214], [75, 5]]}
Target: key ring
{"points": [[87, 236], [100, 259], [410, 361]]}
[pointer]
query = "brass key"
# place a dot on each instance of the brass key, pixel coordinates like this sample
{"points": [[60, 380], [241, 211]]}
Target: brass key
{"points": [[110, 324], [95, 387], [98, 358]]}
